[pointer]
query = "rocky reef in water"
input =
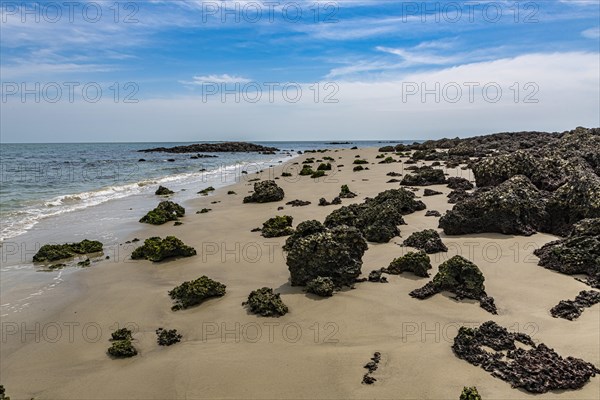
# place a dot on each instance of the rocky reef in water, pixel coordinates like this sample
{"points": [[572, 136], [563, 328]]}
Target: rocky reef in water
{"points": [[225, 147], [537, 370]]}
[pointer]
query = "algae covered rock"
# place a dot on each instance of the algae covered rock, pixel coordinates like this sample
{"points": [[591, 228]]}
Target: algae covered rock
{"points": [[377, 218], [192, 293], [163, 191], [3, 395], [266, 303], [577, 254], [459, 183], [321, 286], [167, 337], [513, 207], [165, 211], [428, 240], [416, 262], [424, 176], [264, 192], [470, 393], [157, 249], [316, 251], [278, 226], [461, 277], [122, 349], [53, 252], [538, 369], [346, 193], [122, 334]]}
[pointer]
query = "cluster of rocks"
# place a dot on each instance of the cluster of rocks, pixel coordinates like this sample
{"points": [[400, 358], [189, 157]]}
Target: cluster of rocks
{"points": [[336, 201], [265, 192], [460, 277], [537, 370], [424, 176], [225, 147], [191, 293], [157, 249], [579, 253], [377, 218], [427, 240], [572, 309], [266, 303], [165, 211], [371, 367], [167, 337], [278, 226], [121, 346], [315, 251], [53, 252]]}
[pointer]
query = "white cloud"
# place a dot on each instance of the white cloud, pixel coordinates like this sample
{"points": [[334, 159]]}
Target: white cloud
{"points": [[224, 78], [592, 33]]}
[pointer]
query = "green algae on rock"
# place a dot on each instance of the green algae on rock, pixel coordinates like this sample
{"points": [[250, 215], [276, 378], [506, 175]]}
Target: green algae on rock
{"points": [[278, 226], [427, 240], [265, 192], [192, 293], [416, 262], [165, 211], [157, 249], [321, 286], [306, 170], [346, 193], [53, 252], [122, 334], [316, 251], [163, 191], [470, 393], [167, 337], [266, 303], [122, 349]]}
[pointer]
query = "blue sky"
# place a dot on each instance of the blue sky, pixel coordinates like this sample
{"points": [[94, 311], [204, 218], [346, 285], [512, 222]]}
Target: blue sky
{"points": [[174, 51]]}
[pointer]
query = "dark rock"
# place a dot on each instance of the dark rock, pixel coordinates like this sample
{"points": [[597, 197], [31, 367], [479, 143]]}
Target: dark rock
{"points": [[572, 309], [84, 263], [346, 193], [278, 226], [316, 251], [430, 192], [122, 334], [204, 211], [386, 149], [427, 240], [266, 303], [371, 367], [358, 168], [164, 212], [377, 218], [162, 191], [298, 203], [167, 337], [264, 192], [424, 176], [157, 249], [192, 293], [387, 160], [324, 167], [53, 252], [470, 393], [206, 191], [537, 370], [213, 148], [458, 195], [359, 162], [433, 213], [321, 286], [513, 207], [376, 276], [393, 174], [459, 183], [416, 262], [393, 181]]}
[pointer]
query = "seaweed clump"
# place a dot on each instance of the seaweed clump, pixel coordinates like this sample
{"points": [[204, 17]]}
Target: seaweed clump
{"points": [[316, 251], [416, 262], [278, 226], [266, 303], [461, 277], [191, 293], [377, 218], [53, 252], [157, 249], [321, 286], [427, 240], [265, 192], [572, 309], [167, 337], [537, 370], [165, 211]]}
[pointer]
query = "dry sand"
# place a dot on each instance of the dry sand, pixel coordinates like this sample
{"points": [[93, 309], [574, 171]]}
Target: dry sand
{"points": [[315, 351]]}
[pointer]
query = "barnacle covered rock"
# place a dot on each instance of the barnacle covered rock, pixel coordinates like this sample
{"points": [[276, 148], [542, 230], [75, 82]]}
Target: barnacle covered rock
{"points": [[53, 252], [424, 176], [427, 240], [157, 249], [416, 262], [316, 251], [192, 293], [278, 226], [377, 218], [164, 212], [264, 192], [513, 207], [266, 303], [538, 369]]}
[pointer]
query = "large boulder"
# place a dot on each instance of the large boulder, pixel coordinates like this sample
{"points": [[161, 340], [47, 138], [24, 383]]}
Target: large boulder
{"points": [[265, 192], [514, 207], [315, 251], [377, 218]]}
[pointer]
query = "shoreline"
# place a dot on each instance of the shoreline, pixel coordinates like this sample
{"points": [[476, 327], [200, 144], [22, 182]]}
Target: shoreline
{"points": [[338, 334]]}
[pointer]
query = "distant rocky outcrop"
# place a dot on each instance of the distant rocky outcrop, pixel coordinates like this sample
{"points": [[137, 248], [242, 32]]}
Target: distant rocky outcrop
{"points": [[224, 147]]}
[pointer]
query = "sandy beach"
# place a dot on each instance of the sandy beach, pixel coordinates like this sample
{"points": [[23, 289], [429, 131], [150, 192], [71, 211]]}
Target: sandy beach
{"points": [[318, 349]]}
